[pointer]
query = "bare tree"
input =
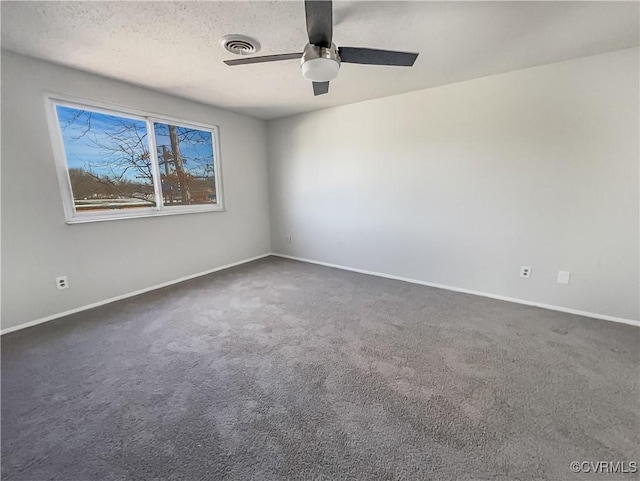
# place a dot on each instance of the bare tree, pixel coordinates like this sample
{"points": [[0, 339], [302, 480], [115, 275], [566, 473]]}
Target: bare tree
{"points": [[178, 163]]}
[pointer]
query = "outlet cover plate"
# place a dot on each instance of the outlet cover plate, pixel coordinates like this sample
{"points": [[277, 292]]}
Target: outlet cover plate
{"points": [[525, 272], [62, 283]]}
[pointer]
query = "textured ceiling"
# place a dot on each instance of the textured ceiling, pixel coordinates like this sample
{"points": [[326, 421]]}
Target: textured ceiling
{"points": [[174, 46]]}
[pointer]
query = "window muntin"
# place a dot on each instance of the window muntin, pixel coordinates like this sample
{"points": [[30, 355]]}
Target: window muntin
{"points": [[116, 164]]}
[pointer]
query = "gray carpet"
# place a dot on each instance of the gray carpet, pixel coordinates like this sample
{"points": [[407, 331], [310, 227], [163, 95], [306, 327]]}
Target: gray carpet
{"points": [[283, 370]]}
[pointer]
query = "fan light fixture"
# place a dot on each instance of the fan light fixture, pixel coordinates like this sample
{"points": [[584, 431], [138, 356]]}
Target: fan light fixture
{"points": [[320, 69], [320, 64]]}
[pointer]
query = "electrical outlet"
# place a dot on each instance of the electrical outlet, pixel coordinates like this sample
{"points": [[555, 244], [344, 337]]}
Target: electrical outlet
{"points": [[288, 238], [525, 272], [62, 283], [564, 277]]}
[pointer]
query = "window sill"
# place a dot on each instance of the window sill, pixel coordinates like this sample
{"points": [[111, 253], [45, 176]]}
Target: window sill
{"points": [[84, 219]]}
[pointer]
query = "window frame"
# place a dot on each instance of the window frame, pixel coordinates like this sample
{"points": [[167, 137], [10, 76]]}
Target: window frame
{"points": [[60, 157]]}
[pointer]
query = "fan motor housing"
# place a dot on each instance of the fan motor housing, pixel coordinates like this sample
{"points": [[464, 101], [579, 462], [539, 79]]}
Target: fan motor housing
{"points": [[320, 64]]}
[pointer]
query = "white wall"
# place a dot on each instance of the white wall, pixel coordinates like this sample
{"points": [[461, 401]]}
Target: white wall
{"points": [[462, 184], [107, 259]]}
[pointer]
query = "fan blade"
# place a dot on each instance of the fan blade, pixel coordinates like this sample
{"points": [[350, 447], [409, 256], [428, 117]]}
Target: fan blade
{"points": [[266, 58], [320, 88], [372, 56], [319, 15]]}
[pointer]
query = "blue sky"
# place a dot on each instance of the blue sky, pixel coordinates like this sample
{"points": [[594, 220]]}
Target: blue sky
{"points": [[85, 133]]}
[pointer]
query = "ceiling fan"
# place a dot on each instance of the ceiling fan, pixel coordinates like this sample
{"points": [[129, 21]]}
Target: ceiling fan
{"points": [[321, 59]]}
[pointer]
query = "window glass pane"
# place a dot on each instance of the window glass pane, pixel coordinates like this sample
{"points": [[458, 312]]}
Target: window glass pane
{"points": [[186, 162], [108, 160]]}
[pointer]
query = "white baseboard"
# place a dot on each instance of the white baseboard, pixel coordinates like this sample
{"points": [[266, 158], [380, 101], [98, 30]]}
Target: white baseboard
{"points": [[124, 296], [568, 310]]}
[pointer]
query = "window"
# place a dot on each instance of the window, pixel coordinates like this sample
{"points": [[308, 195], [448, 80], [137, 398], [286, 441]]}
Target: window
{"points": [[116, 164]]}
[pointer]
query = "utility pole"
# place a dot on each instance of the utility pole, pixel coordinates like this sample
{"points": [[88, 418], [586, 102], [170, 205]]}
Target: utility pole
{"points": [[177, 162]]}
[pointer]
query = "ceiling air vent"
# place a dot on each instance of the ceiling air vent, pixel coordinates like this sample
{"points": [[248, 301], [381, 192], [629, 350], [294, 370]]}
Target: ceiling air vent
{"points": [[240, 44]]}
